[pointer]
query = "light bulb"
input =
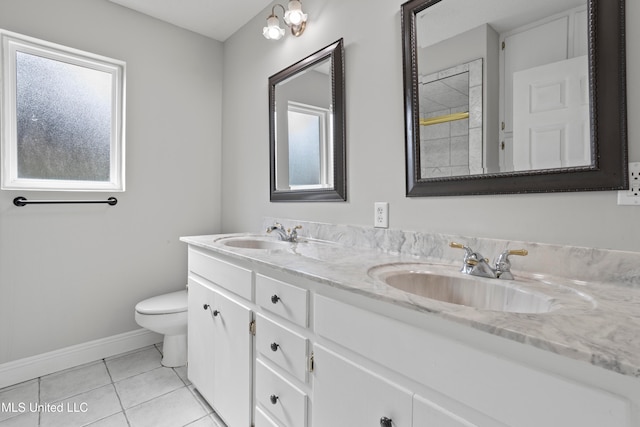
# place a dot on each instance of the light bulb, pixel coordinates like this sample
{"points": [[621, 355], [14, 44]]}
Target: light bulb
{"points": [[273, 31], [294, 15]]}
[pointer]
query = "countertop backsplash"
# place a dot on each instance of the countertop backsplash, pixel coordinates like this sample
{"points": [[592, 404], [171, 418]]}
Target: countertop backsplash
{"points": [[571, 262]]}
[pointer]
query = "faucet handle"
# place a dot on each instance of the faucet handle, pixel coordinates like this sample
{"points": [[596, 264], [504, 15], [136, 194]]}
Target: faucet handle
{"points": [[467, 250], [519, 252], [503, 265], [456, 245], [292, 235]]}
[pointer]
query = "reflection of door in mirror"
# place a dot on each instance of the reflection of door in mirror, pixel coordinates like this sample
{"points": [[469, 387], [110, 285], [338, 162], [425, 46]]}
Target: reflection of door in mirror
{"points": [[304, 130], [545, 119]]}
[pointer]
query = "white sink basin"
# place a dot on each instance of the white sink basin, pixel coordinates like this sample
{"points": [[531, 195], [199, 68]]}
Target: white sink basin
{"points": [[255, 243], [445, 283]]}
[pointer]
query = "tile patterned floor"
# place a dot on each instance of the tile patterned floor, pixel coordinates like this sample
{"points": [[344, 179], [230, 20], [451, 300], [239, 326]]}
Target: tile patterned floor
{"points": [[128, 390]]}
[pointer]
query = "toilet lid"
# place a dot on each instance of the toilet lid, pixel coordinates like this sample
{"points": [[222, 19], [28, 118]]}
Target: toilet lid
{"points": [[174, 302]]}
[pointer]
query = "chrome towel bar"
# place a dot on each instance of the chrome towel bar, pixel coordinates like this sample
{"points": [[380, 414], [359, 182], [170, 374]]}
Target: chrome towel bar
{"points": [[22, 201]]}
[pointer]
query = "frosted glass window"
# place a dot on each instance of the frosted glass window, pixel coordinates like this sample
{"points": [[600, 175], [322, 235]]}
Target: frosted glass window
{"points": [[63, 111], [304, 149]]}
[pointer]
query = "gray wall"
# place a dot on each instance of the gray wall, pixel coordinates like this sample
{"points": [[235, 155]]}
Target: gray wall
{"points": [[73, 273], [375, 140]]}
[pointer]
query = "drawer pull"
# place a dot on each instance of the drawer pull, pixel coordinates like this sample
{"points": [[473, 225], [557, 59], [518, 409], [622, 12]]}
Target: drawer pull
{"points": [[275, 299], [274, 346], [273, 398], [206, 306], [215, 313], [386, 422]]}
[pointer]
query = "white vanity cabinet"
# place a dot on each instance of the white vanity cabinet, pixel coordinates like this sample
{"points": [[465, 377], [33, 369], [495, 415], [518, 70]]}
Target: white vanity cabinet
{"points": [[269, 348], [233, 330], [220, 357], [466, 387]]}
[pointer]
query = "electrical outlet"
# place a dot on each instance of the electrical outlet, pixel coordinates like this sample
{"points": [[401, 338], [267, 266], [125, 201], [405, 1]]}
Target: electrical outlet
{"points": [[632, 195], [381, 215]]}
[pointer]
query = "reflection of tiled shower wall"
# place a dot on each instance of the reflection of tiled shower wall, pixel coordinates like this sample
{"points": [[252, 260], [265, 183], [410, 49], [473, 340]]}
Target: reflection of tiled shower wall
{"points": [[454, 148], [444, 147]]}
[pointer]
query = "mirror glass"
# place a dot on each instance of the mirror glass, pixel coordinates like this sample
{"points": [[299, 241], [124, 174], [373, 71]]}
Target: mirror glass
{"points": [[500, 96], [306, 109]]}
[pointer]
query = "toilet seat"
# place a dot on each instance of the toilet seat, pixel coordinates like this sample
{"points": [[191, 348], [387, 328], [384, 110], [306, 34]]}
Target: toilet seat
{"points": [[174, 302]]}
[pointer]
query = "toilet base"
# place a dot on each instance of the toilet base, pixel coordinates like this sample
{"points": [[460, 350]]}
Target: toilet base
{"points": [[174, 351]]}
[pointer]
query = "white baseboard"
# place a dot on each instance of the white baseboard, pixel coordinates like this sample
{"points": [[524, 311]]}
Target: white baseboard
{"points": [[20, 370]]}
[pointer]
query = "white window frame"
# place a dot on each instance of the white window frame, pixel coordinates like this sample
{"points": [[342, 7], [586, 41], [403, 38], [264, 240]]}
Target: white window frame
{"points": [[326, 143], [10, 43]]}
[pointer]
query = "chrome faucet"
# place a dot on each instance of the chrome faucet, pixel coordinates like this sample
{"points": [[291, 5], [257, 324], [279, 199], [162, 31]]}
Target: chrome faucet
{"points": [[287, 235], [475, 264]]}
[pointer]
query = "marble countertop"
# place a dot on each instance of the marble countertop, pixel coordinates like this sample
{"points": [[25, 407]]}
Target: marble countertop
{"points": [[599, 321]]}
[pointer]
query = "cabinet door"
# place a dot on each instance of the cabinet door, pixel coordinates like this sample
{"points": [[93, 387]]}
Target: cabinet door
{"points": [[347, 395], [221, 367], [200, 339]]}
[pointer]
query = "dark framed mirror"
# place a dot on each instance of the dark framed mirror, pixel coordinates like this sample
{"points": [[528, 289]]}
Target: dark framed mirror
{"points": [[544, 111], [307, 128]]}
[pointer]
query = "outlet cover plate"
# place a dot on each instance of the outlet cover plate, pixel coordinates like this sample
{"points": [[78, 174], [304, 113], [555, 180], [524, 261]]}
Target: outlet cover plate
{"points": [[381, 215]]}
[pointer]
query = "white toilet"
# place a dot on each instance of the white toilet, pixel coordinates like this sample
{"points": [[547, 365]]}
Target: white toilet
{"points": [[167, 314]]}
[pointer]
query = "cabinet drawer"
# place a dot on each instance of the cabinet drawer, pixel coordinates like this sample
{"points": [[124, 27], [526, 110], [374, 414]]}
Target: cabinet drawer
{"points": [[283, 299], [282, 346], [280, 398], [229, 276], [262, 420]]}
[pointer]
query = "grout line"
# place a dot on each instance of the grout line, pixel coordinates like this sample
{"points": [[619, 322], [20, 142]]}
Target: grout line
{"points": [[117, 394]]}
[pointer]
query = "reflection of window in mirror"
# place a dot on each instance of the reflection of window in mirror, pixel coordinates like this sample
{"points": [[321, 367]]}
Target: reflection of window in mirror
{"points": [[63, 111], [310, 147]]}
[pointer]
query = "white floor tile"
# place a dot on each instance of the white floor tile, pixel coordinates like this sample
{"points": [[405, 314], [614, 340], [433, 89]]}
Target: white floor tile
{"points": [[96, 395], [204, 422], [27, 419], [134, 363], [174, 409], [18, 397], [200, 399], [216, 419], [70, 382], [84, 408], [146, 386], [182, 373], [117, 420]]}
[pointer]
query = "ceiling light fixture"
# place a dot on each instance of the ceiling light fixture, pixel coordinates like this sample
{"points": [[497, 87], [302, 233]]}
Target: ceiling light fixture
{"points": [[295, 19]]}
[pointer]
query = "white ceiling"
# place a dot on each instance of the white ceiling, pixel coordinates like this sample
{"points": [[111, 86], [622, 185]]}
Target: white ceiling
{"points": [[217, 19]]}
